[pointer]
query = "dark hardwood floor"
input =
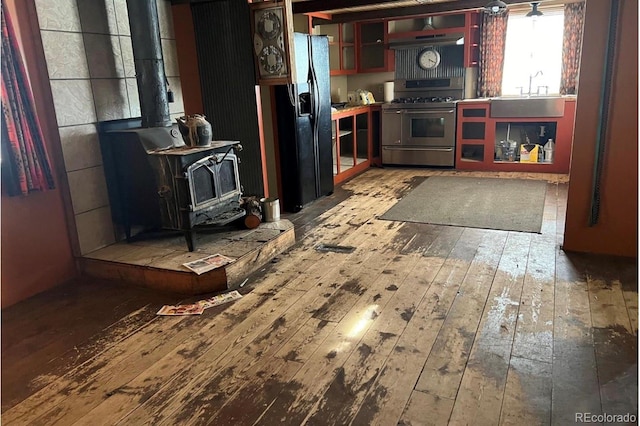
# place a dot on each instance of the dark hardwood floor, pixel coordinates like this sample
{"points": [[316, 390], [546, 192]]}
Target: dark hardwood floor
{"points": [[420, 324]]}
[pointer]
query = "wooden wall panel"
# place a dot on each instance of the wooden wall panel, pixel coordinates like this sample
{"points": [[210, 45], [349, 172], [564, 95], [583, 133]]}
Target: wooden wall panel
{"points": [[617, 230]]}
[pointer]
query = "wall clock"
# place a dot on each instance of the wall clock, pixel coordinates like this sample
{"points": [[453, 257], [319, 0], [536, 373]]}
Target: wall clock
{"points": [[428, 59]]}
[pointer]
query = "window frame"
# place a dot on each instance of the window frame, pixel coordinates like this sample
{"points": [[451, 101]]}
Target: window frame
{"points": [[548, 36]]}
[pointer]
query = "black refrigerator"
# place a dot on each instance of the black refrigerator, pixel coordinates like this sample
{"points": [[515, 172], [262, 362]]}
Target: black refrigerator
{"points": [[303, 113]]}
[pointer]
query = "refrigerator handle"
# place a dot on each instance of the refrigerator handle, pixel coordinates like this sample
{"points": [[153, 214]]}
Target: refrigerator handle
{"points": [[315, 107]]}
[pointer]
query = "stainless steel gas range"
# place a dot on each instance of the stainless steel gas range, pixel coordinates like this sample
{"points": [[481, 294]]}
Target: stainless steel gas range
{"points": [[419, 125]]}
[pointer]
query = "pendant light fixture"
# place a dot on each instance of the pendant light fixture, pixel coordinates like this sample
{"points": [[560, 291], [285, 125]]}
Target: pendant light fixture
{"points": [[534, 9], [495, 7]]}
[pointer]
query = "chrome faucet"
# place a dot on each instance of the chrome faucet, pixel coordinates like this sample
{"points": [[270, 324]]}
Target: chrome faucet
{"points": [[531, 77]]}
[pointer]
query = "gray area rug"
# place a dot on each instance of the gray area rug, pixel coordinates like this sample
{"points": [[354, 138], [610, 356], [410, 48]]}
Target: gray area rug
{"points": [[506, 204]]}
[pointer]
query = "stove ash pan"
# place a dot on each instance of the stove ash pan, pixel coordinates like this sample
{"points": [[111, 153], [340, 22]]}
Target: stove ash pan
{"points": [[171, 187]]}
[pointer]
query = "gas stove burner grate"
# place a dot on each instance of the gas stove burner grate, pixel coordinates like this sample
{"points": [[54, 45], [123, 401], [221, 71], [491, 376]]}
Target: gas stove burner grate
{"points": [[422, 100]]}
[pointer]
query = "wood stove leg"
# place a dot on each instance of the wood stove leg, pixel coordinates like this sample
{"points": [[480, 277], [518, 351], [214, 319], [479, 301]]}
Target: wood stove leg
{"points": [[188, 235]]}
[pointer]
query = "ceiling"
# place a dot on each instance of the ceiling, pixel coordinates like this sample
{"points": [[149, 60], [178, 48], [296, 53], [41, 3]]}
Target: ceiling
{"points": [[362, 10]]}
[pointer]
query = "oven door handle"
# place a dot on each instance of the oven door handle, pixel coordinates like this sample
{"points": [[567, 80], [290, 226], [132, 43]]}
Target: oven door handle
{"points": [[397, 148], [431, 111]]}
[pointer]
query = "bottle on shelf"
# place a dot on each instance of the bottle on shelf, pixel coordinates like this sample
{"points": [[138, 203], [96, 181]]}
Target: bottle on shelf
{"points": [[548, 149]]}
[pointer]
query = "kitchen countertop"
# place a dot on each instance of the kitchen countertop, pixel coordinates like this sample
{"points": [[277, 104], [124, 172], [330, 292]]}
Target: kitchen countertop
{"points": [[470, 101], [566, 97], [354, 109]]}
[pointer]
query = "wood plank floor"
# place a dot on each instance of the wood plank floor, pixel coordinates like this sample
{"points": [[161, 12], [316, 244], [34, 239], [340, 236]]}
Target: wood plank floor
{"points": [[420, 324]]}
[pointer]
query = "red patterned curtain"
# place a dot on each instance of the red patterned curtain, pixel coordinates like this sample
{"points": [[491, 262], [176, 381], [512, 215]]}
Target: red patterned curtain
{"points": [[492, 42], [25, 164], [571, 46]]}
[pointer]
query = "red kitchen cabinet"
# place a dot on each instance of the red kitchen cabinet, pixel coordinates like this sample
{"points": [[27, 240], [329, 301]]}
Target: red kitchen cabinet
{"points": [[342, 46], [455, 24], [474, 135], [472, 39], [373, 54], [427, 26], [356, 140], [479, 136]]}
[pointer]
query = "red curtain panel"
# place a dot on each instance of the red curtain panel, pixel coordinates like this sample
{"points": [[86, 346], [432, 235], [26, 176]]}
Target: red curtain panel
{"points": [[25, 164], [571, 43], [492, 43]]}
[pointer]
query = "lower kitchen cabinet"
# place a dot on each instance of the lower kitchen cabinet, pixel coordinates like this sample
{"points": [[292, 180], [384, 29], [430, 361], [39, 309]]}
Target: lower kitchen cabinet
{"points": [[513, 144], [472, 134], [376, 135], [353, 132]]}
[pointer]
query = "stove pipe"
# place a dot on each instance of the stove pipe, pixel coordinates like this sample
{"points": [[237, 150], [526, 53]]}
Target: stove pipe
{"points": [[147, 54]]}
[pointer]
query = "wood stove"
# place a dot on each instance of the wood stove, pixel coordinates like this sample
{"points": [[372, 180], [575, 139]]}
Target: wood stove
{"points": [[155, 182]]}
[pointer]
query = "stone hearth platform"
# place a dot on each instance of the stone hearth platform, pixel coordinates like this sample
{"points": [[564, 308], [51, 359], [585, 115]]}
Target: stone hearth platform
{"points": [[158, 263]]}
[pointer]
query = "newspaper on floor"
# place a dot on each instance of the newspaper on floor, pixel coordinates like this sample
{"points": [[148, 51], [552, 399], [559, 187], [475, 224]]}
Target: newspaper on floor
{"points": [[199, 307], [193, 309], [208, 263], [219, 299]]}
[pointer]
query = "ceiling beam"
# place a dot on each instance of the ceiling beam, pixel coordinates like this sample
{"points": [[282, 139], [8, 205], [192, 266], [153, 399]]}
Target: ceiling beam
{"points": [[423, 9], [194, 1], [322, 5]]}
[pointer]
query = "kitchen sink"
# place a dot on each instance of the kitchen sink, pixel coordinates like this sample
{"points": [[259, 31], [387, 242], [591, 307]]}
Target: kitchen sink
{"points": [[527, 107]]}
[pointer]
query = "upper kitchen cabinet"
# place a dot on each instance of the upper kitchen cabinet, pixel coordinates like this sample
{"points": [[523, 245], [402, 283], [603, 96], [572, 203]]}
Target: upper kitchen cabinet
{"points": [[472, 39], [373, 55], [427, 27], [458, 27], [302, 23], [342, 46]]}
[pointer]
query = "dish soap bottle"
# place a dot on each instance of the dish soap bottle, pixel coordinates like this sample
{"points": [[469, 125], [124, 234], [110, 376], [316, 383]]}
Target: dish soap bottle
{"points": [[549, 147]]}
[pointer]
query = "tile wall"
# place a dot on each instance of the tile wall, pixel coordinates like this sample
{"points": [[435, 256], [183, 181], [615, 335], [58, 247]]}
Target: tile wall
{"points": [[87, 46]]}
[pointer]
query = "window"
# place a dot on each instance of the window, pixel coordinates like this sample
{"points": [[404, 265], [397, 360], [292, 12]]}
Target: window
{"points": [[533, 54]]}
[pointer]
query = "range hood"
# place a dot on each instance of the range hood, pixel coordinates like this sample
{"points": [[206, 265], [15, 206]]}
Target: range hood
{"points": [[430, 40]]}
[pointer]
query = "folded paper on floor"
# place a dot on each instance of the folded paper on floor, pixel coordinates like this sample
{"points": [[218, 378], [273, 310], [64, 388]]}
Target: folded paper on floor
{"points": [[193, 309], [199, 307], [208, 263]]}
